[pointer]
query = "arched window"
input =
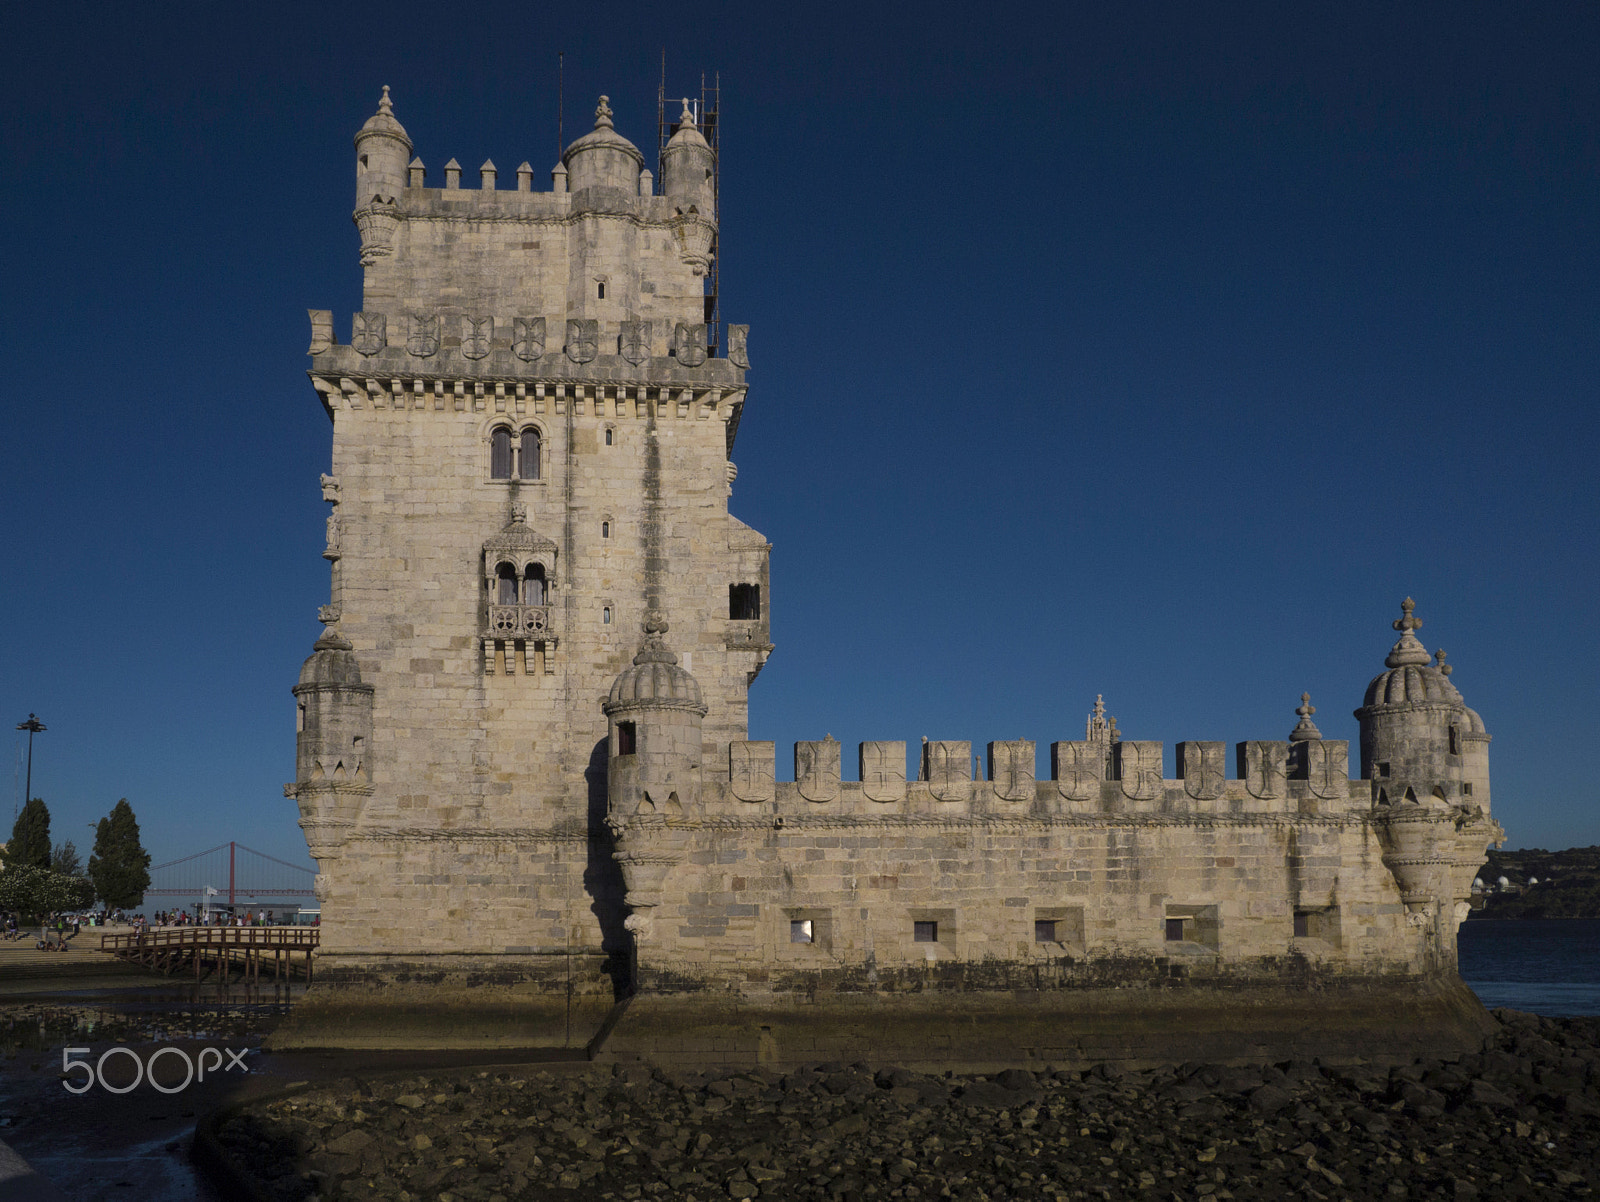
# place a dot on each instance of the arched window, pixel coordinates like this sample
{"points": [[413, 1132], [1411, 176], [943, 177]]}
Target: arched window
{"points": [[528, 459], [533, 592], [500, 454], [506, 592], [605, 529]]}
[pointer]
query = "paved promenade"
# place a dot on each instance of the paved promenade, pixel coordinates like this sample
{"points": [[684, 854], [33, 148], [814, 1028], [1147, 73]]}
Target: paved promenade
{"points": [[24, 969]]}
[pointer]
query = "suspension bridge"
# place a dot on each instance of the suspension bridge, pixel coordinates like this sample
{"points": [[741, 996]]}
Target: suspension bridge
{"points": [[232, 871]]}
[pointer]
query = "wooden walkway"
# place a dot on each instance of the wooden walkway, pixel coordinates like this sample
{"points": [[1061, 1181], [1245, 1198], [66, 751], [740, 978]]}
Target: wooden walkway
{"points": [[280, 953]]}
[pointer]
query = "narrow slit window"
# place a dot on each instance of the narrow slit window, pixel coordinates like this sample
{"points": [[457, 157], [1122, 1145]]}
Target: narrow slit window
{"points": [[602, 290], [925, 932], [500, 454], [609, 433], [528, 456], [605, 616], [605, 529], [1455, 741], [627, 738], [801, 931]]}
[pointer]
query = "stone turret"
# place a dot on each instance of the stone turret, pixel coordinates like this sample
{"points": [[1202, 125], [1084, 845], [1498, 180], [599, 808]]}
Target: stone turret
{"points": [[383, 151], [688, 180], [333, 745], [653, 775], [602, 158], [1426, 755]]}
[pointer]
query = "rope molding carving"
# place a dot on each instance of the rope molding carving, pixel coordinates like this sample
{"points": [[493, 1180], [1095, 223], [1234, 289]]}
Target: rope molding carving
{"points": [[1006, 824], [421, 834]]}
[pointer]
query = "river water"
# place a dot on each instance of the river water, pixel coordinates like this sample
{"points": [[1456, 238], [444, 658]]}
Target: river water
{"points": [[1542, 965]]}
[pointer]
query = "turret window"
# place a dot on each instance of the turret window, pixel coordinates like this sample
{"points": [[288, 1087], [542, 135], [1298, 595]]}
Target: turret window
{"points": [[627, 738]]}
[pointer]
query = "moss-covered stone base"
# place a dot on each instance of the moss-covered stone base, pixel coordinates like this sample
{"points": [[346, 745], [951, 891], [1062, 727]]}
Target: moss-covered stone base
{"points": [[448, 1002], [1377, 1021]]}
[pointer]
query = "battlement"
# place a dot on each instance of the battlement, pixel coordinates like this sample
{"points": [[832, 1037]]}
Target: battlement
{"points": [[1089, 779]]}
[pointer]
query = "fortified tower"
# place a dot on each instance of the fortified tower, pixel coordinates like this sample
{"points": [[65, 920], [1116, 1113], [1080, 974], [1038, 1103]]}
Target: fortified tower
{"points": [[523, 758], [531, 452]]}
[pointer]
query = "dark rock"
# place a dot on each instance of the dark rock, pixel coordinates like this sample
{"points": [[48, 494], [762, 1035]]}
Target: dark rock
{"points": [[1269, 1099]]}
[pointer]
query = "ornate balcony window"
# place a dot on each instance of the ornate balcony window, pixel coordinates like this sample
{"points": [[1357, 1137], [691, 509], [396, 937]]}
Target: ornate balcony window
{"points": [[519, 576]]}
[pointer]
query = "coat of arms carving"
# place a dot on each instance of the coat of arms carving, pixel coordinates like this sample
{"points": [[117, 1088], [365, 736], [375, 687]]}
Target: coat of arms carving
{"points": [[368, 333], [1264, 767], [883, 770], [422, 336], [947, 765], [690, 343], [583, 339], [635, 341], [739, 346], [1079, 769], [1011, 769], [527, 338], [1139, 768], [750, 769], [1201, 766], [1328, 761], [816, 769], [476, 335]]}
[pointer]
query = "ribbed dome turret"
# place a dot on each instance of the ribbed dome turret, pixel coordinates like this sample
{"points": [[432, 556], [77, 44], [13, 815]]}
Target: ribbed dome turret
{"points": [[332, 661], [1412, 677], [384, 122], [655, 678]]}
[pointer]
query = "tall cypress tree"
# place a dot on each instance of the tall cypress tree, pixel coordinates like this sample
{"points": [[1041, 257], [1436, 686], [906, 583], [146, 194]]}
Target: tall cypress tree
{"points": [[30, 837], [120, 866]]}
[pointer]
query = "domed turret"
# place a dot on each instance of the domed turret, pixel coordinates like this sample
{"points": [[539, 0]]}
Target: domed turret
{"points": [[383, 150], [333, 743], [655, 709], [603, 158], [382, 153], [1419, 740], [688, 168]]}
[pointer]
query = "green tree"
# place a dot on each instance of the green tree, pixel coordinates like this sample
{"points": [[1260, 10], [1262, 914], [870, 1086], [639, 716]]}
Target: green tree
{"points": [[65, 860], [120, 866], [30, 837]]}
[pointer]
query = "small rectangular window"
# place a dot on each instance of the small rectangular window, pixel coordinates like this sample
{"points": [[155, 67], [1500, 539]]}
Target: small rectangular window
{"points": [[925, 932], [627, 738], [1466, 789], [800, 930], [1383, 769], [1302, 924], [1175, 930], [744, 602], [1044, 930]]}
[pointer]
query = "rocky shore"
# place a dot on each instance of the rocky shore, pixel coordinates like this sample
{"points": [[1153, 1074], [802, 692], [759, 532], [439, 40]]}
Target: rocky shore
{"points": [[1519, 1119]]}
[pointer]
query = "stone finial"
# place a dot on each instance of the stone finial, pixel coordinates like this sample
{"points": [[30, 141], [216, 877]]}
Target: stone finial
{"points": [[1407, 650], [1438, 662], [383, 102], [654, 647], [1305, 730], [687, 117], [602, 113], [1100, 728]]}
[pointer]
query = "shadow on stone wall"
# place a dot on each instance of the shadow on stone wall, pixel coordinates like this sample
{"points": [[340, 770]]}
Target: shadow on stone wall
{"points": [[602, 878]]}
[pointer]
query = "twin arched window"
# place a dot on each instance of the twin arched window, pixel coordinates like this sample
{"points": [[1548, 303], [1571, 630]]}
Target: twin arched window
{"points": [[513, 458], [532, 592]]}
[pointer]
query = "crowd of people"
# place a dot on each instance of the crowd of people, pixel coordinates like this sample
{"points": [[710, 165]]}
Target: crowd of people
{"points": [[56, 930]]}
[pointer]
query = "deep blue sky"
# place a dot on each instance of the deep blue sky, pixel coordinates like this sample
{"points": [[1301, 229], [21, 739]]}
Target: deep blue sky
{"points": [[1155, 351]]}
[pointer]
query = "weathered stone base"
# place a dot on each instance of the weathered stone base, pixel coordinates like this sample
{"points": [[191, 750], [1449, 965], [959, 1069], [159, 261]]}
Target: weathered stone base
{"points": [[450, 1001], [1382, 1020]]}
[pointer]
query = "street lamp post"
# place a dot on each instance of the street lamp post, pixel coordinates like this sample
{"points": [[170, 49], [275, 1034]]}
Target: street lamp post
{"points": [[33, 726]]}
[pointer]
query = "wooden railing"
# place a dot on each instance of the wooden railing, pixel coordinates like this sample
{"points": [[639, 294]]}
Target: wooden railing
{"points": [[254, 949]]}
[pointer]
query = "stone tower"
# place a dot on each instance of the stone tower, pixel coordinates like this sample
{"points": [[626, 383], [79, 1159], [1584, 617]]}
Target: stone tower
{"points": [[531, 452]]}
